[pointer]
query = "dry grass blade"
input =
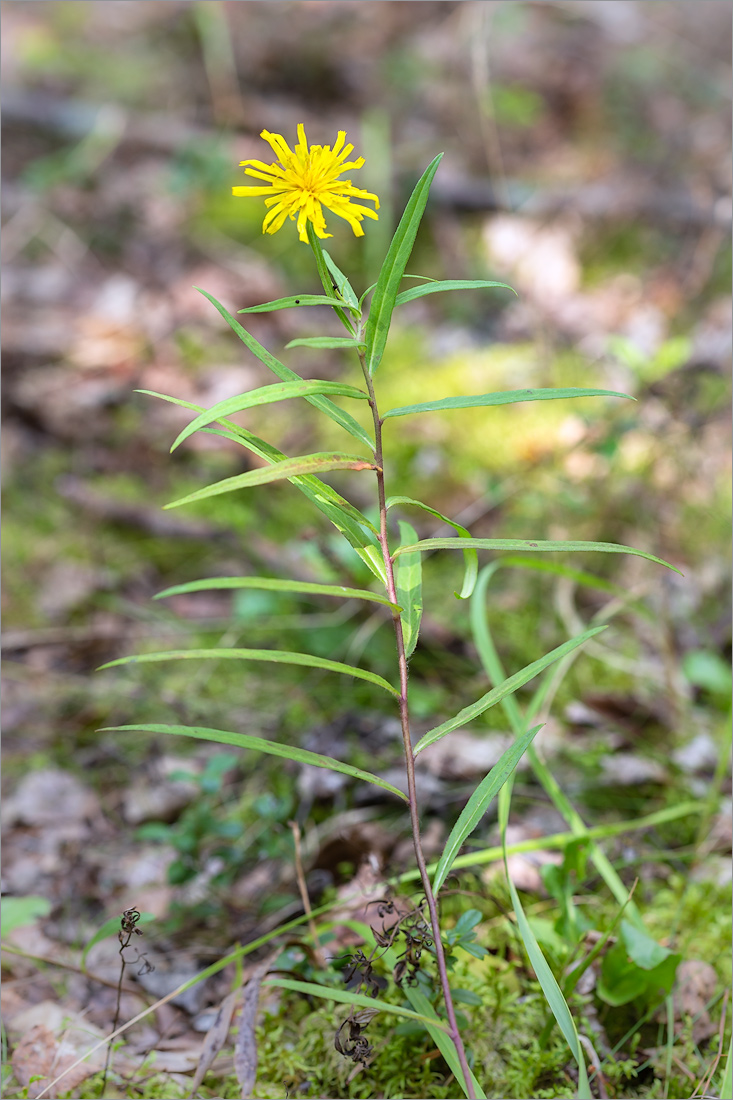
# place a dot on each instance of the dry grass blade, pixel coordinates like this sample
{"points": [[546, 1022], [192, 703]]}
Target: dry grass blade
{"points": [[245, 1051], [215, 1038]]}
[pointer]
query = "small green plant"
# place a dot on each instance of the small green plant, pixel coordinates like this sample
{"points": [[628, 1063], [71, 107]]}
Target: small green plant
{"points": [[297, 188]]}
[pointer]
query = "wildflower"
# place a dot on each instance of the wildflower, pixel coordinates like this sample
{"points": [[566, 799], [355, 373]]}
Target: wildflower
{"points": [[306, 180]]}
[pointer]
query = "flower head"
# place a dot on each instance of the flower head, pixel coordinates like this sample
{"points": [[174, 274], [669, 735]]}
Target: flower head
{"points": [[306, 180]]}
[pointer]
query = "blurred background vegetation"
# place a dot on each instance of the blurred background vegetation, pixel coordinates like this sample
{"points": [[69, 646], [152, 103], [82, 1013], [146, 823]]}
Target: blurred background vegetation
{"points": [[587, 163]]}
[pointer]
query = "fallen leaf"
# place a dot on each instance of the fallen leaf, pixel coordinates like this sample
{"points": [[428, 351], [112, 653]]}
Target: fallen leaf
{"points": [[245, 1051], [215, 1039]]}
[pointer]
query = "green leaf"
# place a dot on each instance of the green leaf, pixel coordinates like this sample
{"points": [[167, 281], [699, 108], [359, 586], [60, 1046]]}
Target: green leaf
{"points": [[296, 300], [503, 397], [408, 582], [343, 285], [319, 462], [550, 988], [470, 557], [479, 802], [644, 950], [259, 744], [19, 912], [326, 342], [526, 545], [343, 515], [110, 928], [273, 584], [342, 418], [433, 287], [726, 1085], [393, 268], [505, 688], [344, 996], [277, 656], [265, 395]]}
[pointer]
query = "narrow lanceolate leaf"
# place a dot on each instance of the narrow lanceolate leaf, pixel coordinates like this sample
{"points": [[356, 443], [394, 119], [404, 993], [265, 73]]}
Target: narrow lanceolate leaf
{"points": [[343, 286], [295, 300], [358, 531], [526, 546], [479, 802], [503, 397], [344, 419], [393, 268], [505, 688], [326, 342], [277, 656], [274, 584], [550, 988], [259, 744], [470, 557], [344, 996], [266, 395], [321, 462], [245, 1047], [447, 284], [408, 582]]}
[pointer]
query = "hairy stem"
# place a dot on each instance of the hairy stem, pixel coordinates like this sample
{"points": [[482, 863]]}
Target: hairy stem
{"points": [[407, 742]]}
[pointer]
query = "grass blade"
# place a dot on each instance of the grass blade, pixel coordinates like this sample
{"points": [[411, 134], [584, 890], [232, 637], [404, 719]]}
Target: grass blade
{"points": [[504, 397], [285, 374], [408, 582], [266, 395], [479, 802], [321, 462], [276, 656], [470, 557], [443, 1042], [294, 300], [393, 268], [360, 1000], [551, 990], [447, 284], [273, 584], [541, 546], [503, 689], [260, 744]]}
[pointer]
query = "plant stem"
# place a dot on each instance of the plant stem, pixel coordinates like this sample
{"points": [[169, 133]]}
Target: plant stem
{"points": [[407, 742]]}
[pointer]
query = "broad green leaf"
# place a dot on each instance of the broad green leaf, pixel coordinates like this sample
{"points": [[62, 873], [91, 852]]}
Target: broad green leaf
{"points": [[296, 300], [527, 546], [479, 802], [265, 395], [393, 268], [326, 342], [259, 744], [470, 557], [110, 928], [408, 582], [320, 462], [19, 912], [344, 996], [343, 286], [433, 287], [343, 515], [344, 419], [277, 656], [273, 584], [503, 689], [503, 397], [550, 988]]}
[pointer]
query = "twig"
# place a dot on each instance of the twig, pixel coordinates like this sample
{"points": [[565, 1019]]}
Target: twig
{"points": [[303, 888]]}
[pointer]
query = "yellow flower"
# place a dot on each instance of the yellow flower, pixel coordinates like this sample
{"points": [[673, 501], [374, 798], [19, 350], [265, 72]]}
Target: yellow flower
{"points": [[306, 180]]}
